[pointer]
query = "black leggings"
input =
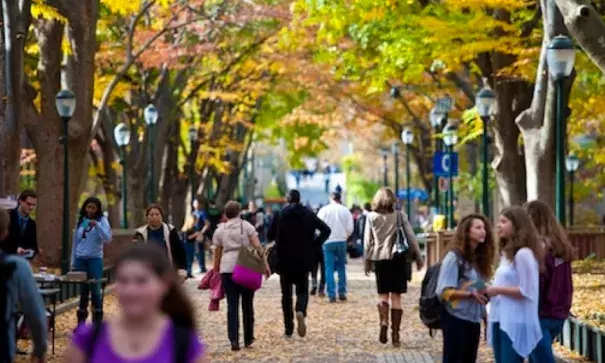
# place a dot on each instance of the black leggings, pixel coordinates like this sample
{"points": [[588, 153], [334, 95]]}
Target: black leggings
{"points": [[460, 339], [233, 293]]}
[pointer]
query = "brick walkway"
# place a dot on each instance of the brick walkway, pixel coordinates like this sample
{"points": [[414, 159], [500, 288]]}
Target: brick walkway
{"points": [[341, 332]]}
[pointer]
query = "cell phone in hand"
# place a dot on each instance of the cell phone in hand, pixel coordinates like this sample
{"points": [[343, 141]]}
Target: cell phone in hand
{"points": [[28, 254]]}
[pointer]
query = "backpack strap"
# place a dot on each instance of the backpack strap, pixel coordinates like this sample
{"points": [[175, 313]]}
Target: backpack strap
{"points": [[181, 338], [97, 327]]}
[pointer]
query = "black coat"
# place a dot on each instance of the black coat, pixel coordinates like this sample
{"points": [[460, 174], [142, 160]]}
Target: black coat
{"points": [[174, 244], [293, 231], [26, 240]]}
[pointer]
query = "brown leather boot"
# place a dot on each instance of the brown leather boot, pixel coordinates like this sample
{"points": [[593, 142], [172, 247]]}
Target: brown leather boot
{"points": [[383, 312], [395, 325]]}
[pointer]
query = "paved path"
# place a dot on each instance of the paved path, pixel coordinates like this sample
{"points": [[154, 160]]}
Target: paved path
{"points": [[341, 332]]}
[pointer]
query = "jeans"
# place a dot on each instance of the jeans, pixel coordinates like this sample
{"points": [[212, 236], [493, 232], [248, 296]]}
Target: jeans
{"points": [[94, 271], [460, 339], [335, 259], [318, 264], [503, 347], [301, 281], [201, 256], [233, 293], [543, 351], [190, 253]]}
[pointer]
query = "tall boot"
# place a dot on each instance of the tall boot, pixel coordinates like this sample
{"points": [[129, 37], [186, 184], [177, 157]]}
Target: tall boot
{"points": [[383, 312], [82, 315], [97, 316], [395, 325]]}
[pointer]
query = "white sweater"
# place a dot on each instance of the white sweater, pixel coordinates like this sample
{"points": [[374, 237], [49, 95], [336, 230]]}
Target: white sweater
{"points": [[339, 219]]}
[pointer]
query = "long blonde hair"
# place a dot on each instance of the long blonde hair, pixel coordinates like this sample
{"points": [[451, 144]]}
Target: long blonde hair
{"points": [[189, 223]]}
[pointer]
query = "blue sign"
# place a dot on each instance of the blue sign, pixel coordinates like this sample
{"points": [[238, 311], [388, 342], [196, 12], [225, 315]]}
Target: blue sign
{"points": [[442, 164], [419, 194]]}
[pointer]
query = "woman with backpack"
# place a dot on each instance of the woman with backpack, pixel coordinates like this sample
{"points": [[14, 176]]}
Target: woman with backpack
{"points": [[467, 263], [556, 286], [513, 313], [91, 234], [156, 322], [392, 269], [160, 233]]}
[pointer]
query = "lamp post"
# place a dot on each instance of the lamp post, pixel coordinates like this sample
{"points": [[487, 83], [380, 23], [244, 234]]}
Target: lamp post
{"points": [[486, 102], [395, 150], [437, 119], [121, 134], [65, 102], [151, 118], [407, 136], [193, 137], [385, 167], [450, 138], [572, 163], [560, 57]]}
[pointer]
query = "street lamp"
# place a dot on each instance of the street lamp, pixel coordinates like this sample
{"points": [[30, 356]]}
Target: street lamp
{"points": [[193, 137], [65, 102], [151, 118], [437, 119], [385, 168], [450, 138], [407, 136], [560, 57], [121, 134], [395, 150], [572, 163], [486, 104]]}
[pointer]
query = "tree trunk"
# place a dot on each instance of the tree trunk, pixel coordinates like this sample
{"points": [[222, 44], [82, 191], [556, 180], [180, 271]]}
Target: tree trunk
{"points": [[586, 25], [15, 19], [537, 123], [82, 16]]}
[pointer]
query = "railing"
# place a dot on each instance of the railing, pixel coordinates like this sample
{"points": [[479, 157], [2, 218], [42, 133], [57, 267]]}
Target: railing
{"points": [[584, 339], [588, 241]]}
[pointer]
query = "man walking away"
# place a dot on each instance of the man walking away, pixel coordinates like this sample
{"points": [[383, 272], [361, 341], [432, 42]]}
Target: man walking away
{"points": [[293, 230], [340, 221], [18, 288], [21, 238], [201, 225]]}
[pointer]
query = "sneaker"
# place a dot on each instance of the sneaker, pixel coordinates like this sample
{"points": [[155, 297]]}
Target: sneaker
{"points": [[314, 291], [332, 300], [342, 298], [301, 325], [322, 294]]}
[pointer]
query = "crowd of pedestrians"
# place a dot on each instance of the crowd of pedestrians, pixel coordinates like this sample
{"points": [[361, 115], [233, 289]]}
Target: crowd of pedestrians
{"points": [[523, 302]]}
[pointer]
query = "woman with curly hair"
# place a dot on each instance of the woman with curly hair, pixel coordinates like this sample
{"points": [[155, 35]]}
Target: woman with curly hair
{"points": [[513, 315], [467, 263], [556, 286]]}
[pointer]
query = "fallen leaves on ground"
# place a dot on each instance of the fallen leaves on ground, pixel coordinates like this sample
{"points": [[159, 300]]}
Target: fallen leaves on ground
{"points": [[589, 299]]}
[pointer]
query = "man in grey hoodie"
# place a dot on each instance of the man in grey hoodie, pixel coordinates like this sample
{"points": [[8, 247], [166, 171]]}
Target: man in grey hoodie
{"points": [[19, 289]]}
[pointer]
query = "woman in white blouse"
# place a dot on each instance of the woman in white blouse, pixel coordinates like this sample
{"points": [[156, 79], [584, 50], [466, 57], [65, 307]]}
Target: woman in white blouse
{"points": [[513, 313]]}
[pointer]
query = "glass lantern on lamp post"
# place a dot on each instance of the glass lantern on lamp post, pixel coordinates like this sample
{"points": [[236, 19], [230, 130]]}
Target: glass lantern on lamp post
{"points": [[450, 138], [407, 137], [572, 163], [486, 104]]}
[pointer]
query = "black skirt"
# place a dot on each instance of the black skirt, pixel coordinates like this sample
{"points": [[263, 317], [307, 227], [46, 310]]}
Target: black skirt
{"points": [[391, 276]]}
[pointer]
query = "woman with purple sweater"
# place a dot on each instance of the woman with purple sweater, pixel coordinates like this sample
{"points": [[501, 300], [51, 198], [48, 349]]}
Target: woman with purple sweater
{"points": [[556, 287]]}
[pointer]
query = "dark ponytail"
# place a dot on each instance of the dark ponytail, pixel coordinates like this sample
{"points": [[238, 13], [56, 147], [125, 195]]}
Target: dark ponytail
{"points": [[176, 304]]}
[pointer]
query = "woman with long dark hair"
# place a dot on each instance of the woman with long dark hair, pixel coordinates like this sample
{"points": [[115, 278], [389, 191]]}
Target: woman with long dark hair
{"points": [[556, 286], [156, 321], [513, 314], [466, 265], [392, 271], [158, 232], [92, 233]]}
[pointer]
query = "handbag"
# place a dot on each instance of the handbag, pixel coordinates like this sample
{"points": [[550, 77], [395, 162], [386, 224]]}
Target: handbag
{"points": [[400, 247], [249, 268]]}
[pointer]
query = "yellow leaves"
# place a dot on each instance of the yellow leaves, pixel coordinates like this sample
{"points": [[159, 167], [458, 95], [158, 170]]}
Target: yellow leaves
{"points": [[101, 82], [589, 298], [40, 9], [122, 7], [493, 4]]}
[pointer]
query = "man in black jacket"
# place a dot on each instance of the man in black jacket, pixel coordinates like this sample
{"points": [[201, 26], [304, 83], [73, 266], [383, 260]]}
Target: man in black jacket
{"points": [[22, 231], [293, 230]]}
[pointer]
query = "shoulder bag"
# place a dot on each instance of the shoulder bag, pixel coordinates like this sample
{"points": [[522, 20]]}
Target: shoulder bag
{"points": [[401, 246], [249, 268]]}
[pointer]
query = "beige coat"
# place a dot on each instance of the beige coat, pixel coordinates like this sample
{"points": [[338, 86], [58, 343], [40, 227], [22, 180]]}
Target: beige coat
{"points": [[380, 236]]}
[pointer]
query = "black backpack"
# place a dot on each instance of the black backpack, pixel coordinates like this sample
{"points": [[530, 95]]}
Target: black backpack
{"points": [[430, 307], [6, 273], [181, 342]]}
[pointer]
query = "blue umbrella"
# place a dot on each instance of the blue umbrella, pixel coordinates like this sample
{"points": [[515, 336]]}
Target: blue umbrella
{"points": [[415, 193]]}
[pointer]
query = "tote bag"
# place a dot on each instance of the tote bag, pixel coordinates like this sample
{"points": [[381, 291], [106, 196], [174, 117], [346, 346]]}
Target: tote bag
{"points": [[249, 268]]}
